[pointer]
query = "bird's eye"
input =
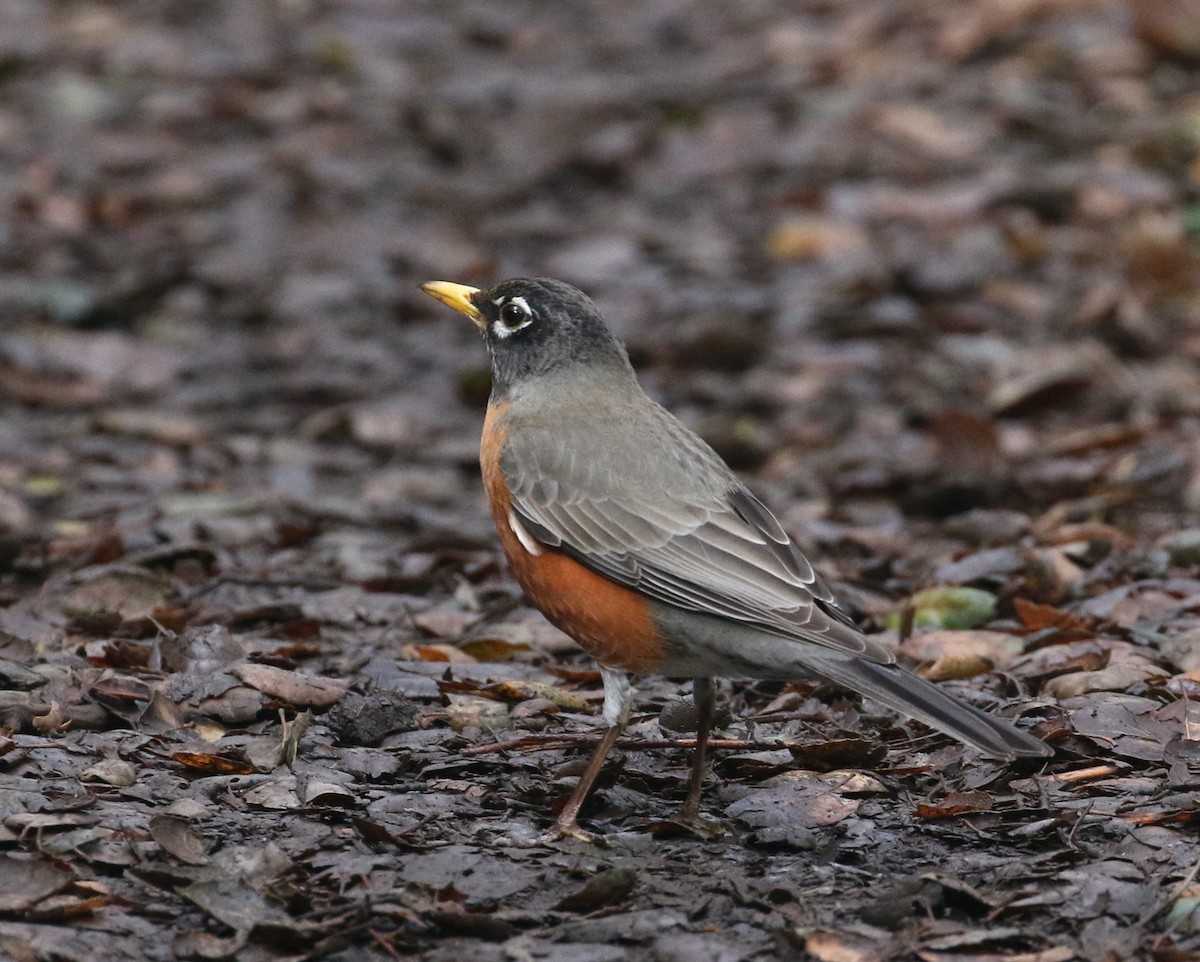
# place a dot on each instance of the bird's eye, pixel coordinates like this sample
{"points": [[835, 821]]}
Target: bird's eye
{"points": [[515, 313]]}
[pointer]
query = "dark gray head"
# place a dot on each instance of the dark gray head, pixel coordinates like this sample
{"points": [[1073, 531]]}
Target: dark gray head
{"points": [[534, 326]]}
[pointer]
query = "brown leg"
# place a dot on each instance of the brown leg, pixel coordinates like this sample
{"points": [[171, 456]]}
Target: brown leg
{"points": [[618, 700], [567, 824], [705, 695]]}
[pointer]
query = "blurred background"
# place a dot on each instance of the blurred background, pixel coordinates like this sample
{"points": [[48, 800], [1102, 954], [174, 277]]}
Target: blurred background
{"points": [[926, 272], [901, 261]]}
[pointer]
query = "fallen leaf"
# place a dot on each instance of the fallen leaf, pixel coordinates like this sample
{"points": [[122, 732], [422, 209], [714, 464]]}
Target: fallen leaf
{"points": [[178, 838], [1184, 914], [828, 946], [1057, 953], [1126, 725], [996, 647], [517, 691], [469, 711], [131, 593], [111, 771], [291, 687], [24, 822], [160, 425], [948, 607], [1119, 676], [492, 649], [235, 904], [26, 880], [1055, 379], [448, 653], [291, 732], [608, 887], [1169, 25], [815, 237], [442, 622], [1036, 616], [802, 800], [213, 764], [277, 793], [328, 794], [955, 803]]}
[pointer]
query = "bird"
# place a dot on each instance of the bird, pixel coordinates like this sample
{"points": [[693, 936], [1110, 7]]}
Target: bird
{"points": [[631, 534]]}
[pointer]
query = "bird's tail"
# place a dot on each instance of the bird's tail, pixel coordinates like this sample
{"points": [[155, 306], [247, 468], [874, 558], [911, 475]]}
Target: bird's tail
{"points": [[906, 693]]}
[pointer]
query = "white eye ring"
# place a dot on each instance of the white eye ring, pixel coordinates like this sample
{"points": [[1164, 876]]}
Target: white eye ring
{"points": [[515, 314]]}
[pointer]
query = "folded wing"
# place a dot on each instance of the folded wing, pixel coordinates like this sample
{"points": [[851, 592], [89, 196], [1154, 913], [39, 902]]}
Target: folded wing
{"points": [[684, 533]]}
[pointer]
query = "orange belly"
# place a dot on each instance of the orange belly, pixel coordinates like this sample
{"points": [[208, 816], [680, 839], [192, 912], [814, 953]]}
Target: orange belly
{"points": [[610, 621]]}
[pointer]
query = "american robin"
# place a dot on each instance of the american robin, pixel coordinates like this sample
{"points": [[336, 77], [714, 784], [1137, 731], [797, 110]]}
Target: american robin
{"points": [[629, 533]]}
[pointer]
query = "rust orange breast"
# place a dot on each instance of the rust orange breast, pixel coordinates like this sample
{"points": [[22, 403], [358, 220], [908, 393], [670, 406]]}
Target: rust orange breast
{"points": [[610, 621]]}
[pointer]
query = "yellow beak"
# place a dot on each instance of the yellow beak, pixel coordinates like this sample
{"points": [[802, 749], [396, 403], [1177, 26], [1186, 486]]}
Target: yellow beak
{"points": [[457, 296]]}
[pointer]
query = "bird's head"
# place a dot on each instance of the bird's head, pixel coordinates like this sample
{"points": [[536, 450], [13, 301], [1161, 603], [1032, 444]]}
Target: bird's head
{"points": [[534, 327]]}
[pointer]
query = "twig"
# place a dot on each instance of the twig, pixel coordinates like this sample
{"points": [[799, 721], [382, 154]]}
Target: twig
{"points": [[536, 742], [1084, 774], [542, 743]]}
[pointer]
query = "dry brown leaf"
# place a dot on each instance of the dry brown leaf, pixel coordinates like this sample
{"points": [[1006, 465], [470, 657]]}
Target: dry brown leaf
{"points": [[955, 803], [955, 667], [605, 888], [328, 794], [492, 649], [814, 237], [469, 711], [129, 592], [517, 691], [828, 946], [1170, 25], [443, 622], [213, 764], [165, 426], [446, 653], [1191, 721], [1051, 378], [996, 647], [52, 721], [1036, 616], [111, 771], [1116, 676], [291, 687], [922, 129]]}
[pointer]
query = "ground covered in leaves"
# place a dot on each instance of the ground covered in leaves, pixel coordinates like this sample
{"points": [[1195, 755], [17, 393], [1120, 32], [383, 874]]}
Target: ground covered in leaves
{"points": [[925, 272]]}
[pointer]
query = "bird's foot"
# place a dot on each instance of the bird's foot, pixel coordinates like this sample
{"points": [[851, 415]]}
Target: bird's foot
{"points": [[571, 829], [699, 825]]}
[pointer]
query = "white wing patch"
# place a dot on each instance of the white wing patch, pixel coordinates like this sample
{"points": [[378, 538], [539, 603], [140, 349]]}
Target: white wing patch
{"points": [[528, 542]]}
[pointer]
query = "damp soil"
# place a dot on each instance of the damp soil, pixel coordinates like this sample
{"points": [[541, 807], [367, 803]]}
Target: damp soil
{"points": [[926, 274]]}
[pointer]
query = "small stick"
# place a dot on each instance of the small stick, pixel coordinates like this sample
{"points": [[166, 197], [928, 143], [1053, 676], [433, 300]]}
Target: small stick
{"points": [[542, 743], [1084, 774]]}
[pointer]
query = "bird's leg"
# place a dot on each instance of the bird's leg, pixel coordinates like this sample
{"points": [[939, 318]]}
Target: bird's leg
{"points": [[567, 824], [618, 702], [704, 694]]}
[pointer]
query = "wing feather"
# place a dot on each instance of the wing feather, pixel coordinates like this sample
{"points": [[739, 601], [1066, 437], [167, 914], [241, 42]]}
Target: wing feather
{"points": [[681, 530]]}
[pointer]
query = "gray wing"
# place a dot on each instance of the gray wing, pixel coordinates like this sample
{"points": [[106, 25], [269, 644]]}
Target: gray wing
{"points": [[674, 524]]}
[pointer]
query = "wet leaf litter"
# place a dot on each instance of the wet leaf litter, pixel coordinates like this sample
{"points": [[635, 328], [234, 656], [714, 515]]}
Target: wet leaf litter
{"points": [[924, 274]]}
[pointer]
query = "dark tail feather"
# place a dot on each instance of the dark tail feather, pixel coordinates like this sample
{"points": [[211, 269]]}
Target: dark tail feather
{"points": [[904, 692]]}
